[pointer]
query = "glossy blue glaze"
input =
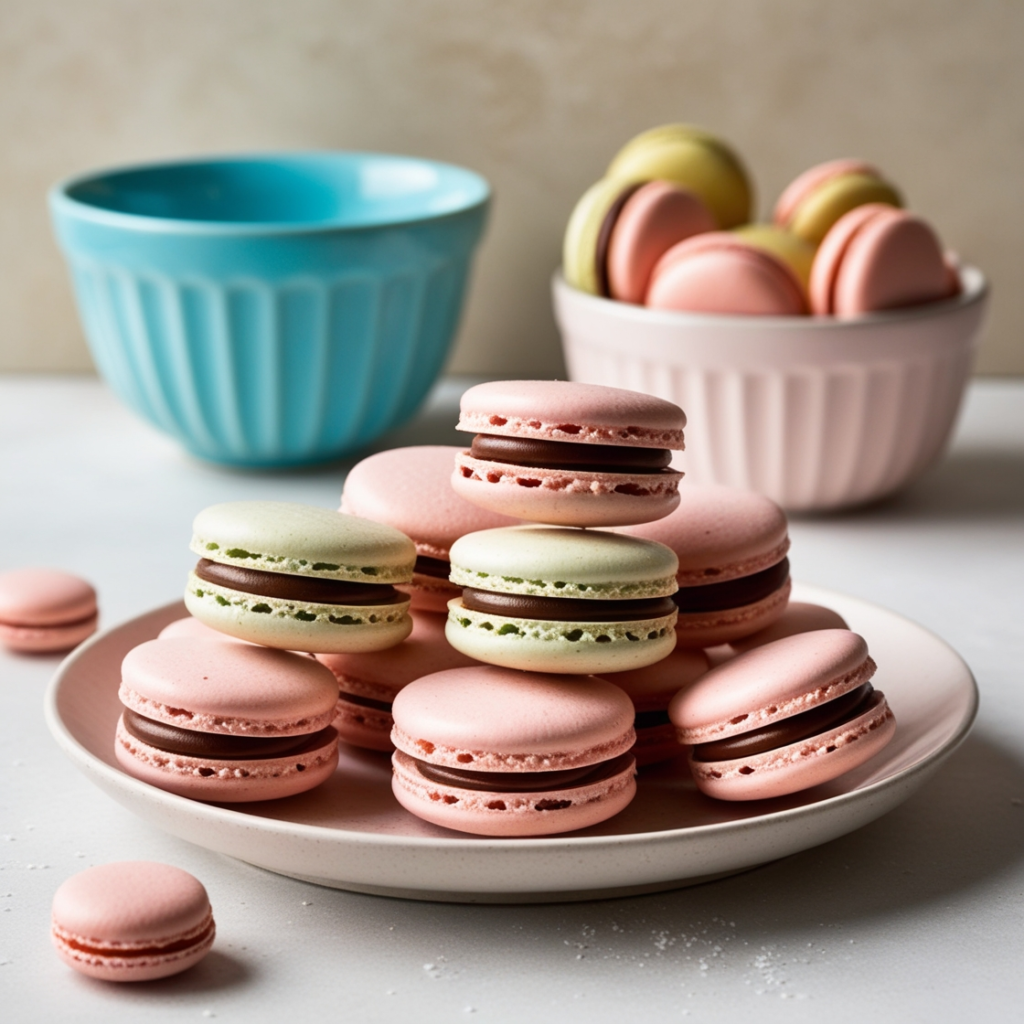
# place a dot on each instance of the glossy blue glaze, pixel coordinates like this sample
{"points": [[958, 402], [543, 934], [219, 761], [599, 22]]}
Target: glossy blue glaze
{"points": [[272, 310]]}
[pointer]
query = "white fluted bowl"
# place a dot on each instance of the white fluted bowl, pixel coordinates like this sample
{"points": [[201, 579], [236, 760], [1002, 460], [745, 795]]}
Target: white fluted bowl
{"points": [[815, 412]]}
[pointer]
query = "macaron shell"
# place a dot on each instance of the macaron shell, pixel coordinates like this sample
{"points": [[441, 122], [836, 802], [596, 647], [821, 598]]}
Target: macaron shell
{"points": [[429, 593], [228, 781], [800, 765], [656, 744], [716, 273], [558, 410], [794, 251], [829, 257], [297, 625], [577, 648], [561, 497], [361, 726], [510, 814], [709, 629], [235, 689], [44, 597], [47, 639], [799, 617], [410, 490], [494, 719], [651, 688], [805, 184], [580, 244], [190, 627], [652, 220], [771, 683]]}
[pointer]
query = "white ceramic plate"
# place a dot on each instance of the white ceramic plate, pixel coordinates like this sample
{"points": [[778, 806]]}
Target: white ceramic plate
{"points": [[350, 833]]}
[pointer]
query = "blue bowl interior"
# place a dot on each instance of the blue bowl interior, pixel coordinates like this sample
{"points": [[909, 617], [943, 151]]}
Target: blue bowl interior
{"points": [[347, 190]]}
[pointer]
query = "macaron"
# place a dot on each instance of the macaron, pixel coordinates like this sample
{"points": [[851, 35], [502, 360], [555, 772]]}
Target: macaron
{"points": [[370, 682], [191, 628], [411, 490], [45, 610], [783, 717], [132, 921], [502, 753], [721, 272], [799, 617], [300, 578], [877, 257], [226, 722], [569, 454], [816, 199], [618, 231], [733, 572], [693, 159], [551, 599], [651, 690]]}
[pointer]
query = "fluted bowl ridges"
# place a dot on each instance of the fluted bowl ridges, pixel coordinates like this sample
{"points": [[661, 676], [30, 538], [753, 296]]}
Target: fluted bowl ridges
{"points": [[271, 310], [815, 412]]}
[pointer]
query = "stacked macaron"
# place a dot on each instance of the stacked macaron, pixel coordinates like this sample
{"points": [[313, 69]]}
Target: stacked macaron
{"points": [[668, 227]]}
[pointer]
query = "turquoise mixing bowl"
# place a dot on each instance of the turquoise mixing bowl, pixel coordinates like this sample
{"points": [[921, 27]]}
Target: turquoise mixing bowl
{"points": [[272, 310]]}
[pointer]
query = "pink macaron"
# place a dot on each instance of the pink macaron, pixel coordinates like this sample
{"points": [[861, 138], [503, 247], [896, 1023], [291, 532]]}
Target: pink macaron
{"points": [[719, 272], [783, 717], [498, 752], [191, 628], [799, 617], [228, 722], [877, 257], [733, 572], [569, 454], [651, 690], [411, 490], [370, 682], [45, 610], [132, 921]]}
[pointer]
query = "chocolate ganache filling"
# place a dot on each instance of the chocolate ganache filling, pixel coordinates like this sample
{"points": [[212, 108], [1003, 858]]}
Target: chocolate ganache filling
{"points": [[286, 587], [523, 782], [604, 238], [220, 746], [717, 597], [791, 730], [364, 702], [437, 568], [569, 455], [565, 609]]}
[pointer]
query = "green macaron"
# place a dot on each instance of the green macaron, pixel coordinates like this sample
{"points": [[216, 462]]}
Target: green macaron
{"points": [[299, 577], [553, 599]]}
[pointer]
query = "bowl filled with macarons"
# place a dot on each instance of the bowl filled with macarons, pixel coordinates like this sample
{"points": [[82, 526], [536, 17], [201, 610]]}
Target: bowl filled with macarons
{"points": [[821, 356], [277, 309]]}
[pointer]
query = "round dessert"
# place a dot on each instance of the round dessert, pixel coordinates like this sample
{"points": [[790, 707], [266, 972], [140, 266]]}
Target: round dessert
{"points": [[132, 921], [784, 717], [876, 257], [503, 753], [370, 682], [45, 610], [693, 159], [190, 627], [300, 578], [411, 490], [733, 572], [618, 231], [549, 599], [224, 721], [722, 272], [651, 689], [799, 617], [569, 454], [816, 199]]}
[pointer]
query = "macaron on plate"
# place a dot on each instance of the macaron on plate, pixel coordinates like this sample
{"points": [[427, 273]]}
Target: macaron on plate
{"points": [[350, 833]]}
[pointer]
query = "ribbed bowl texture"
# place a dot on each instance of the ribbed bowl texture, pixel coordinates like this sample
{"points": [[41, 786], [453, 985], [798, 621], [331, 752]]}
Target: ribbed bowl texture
{"points": [[272, 310], [815, 412]]}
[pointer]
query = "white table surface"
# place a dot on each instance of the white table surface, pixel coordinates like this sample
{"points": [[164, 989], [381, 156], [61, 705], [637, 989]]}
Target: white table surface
{"points": [[917, 917]]}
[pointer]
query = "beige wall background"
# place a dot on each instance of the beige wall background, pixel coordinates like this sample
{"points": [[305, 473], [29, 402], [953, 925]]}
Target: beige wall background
{"points": [[535, 94]]}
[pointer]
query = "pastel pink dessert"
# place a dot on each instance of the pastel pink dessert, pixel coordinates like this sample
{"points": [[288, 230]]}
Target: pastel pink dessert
{"points": [[498, 752], [132, 921], [733, 572], [877, 257], [799, 617], [411, 490], [223, 721], [719, 272], [651, 690], [783, 717], [370, 682], [44, 610], [569, 454], [191, 628]]}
